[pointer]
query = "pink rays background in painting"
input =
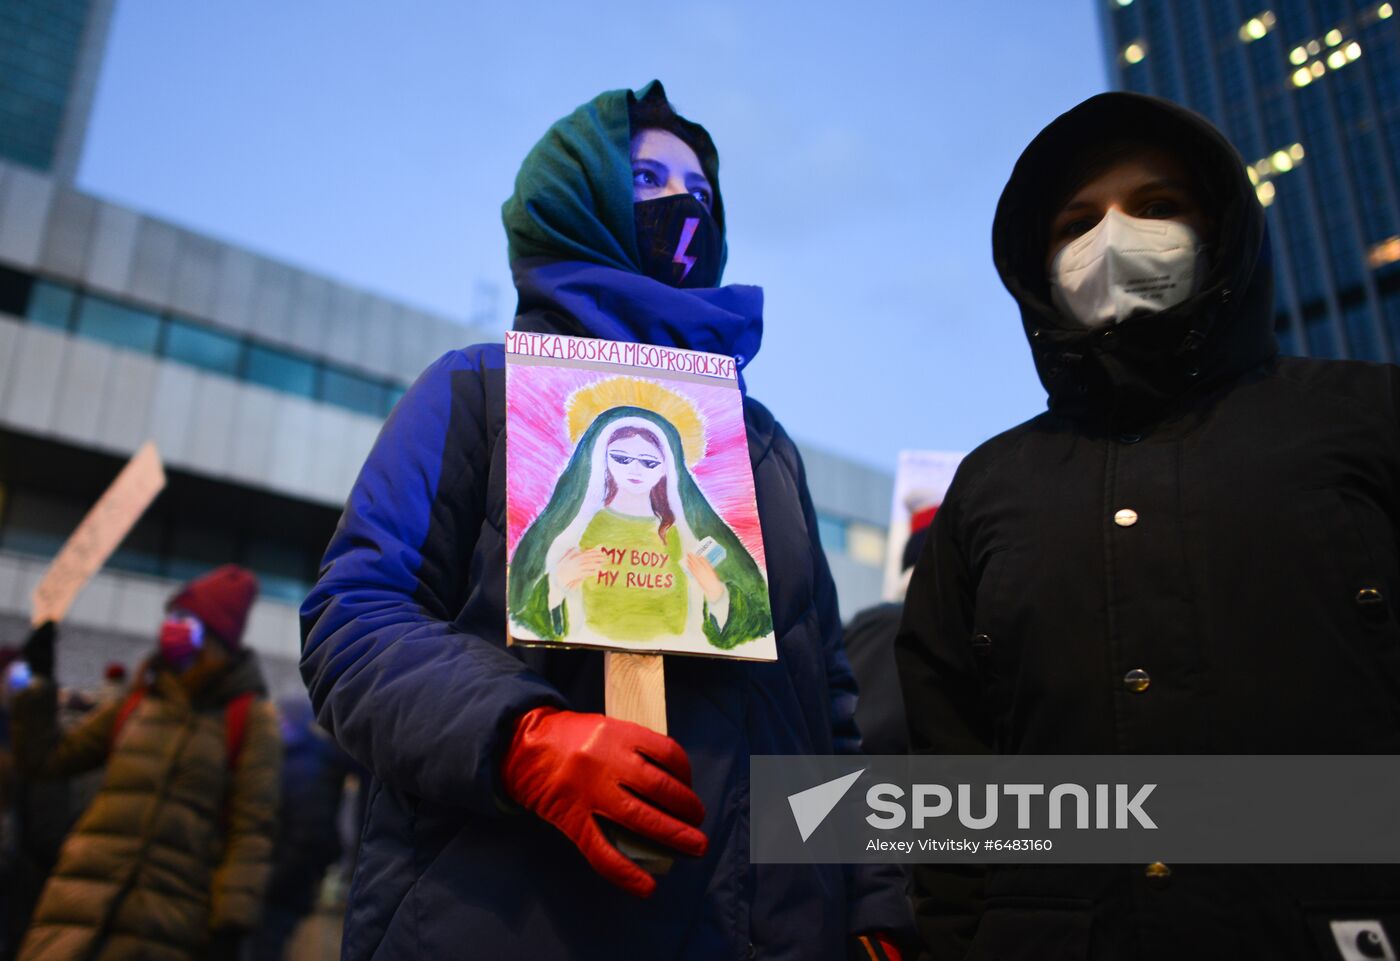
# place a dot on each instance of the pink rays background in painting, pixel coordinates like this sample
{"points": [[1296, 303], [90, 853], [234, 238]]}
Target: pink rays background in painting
{"points": [[538, 448]]}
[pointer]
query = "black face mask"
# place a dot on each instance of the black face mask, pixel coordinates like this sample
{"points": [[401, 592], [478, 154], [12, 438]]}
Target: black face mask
{"points": [[678, 240]]}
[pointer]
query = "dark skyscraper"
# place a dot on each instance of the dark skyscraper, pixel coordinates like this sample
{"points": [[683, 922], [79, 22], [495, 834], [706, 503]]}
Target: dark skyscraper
{"points": [[1309, 91], [50, 55]]}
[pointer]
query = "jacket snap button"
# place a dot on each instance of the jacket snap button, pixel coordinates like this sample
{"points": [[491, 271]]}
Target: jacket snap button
{"points": [[1109, 340], [1129, 438], [1193, 373], [1157, 872], [1369, 595], [982, 641], [753, 950], [1136, 680], [1127, 517]]}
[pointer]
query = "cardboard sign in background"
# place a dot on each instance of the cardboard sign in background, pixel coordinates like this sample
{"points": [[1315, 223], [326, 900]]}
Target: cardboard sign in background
{"points": [[99, 534]]}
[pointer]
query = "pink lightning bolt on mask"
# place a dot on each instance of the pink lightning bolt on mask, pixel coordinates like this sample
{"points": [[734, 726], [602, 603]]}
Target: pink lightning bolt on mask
{"points": [[678, 241]]}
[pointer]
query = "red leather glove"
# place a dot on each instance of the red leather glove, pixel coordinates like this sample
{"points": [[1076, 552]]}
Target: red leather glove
{"points": [[570, 768], [876, 946]]}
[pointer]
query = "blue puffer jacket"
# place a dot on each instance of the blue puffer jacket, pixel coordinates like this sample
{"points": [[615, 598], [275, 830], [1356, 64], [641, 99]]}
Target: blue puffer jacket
{"points": [[406, 662]]}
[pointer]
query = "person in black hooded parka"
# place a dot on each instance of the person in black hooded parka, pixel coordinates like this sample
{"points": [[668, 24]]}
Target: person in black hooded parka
{"points": [[1193, 550]]}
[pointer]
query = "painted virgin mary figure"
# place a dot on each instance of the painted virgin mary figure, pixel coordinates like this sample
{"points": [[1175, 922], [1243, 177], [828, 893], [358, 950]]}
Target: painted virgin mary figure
{"points": [[628, 549]]}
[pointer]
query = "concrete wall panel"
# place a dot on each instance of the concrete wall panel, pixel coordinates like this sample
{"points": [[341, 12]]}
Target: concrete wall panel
{"points": [[32, 388], [113, 249], [124, 424], [24, 210], [70, 226], [197, 262], [153, 267], [233, 289], [81, 391]]}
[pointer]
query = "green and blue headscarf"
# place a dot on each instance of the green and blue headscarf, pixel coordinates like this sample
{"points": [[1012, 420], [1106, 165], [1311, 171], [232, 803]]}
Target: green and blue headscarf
{"points": [[573, 194]]}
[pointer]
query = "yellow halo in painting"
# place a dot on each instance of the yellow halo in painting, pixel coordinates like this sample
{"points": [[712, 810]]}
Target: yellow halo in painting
{"points": [[585, 404]]}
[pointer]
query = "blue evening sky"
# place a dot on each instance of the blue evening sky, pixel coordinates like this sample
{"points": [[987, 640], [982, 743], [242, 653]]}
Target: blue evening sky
{"points": [[863, 148]]}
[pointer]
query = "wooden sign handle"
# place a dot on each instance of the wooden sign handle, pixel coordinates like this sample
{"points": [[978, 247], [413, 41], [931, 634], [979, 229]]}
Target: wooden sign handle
{"points": [[634, 689]]}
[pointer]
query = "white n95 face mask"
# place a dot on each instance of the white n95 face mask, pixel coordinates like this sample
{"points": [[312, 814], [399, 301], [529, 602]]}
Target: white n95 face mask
{"points": [[1125, 266]]}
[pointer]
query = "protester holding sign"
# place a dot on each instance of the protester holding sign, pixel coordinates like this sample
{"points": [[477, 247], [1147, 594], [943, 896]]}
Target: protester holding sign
{"points": [[1192, 552], [493, 766], [171, 858]]}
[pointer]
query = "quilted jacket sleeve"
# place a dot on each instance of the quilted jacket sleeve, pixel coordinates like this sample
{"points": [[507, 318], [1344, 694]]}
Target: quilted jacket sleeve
{"points": [[875, 892], [946, 714], [425, 704], [42, 750], [250, 820]]}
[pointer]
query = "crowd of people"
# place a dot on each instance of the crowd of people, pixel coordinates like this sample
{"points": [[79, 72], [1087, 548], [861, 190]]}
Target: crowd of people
{"points": [[180, 816], [1192, 550]]}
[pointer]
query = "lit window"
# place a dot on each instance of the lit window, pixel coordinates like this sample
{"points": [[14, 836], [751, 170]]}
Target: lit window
{"points": [[203, 348], [1265, 193], [1314, 47], [1297, 56], [1353, 50], [1317, 68], [1384, 11], [1385, 252], [280, 371], [1253, 175], [1134, 52], [39, 523], [1296, 152], [50, 305], [1125, 3], [1333, 37], [355, 393], [1281, 161], [1256, 27], [1336, 59], [1302, 77], [832, 532], [865, 543], [118, 324]]}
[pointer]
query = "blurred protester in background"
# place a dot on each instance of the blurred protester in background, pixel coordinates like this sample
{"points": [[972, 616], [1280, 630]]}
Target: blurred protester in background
{"points": [[314, 771], [113, 686], [870, 647], [9, 840], [40, 812], [1192, 552], [493, 766], [170, 861]]}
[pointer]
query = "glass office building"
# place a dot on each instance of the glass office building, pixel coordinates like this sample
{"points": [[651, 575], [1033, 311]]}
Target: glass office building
{"points": [[50, 54], [1309, 91]]}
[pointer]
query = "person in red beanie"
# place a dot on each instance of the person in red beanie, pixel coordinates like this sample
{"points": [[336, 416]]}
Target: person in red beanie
{"points": [[171, 859]]}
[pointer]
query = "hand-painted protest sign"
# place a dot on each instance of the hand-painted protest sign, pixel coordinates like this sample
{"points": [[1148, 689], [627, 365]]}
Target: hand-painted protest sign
{"points": [[920, 482], [93, 540], [631, 522]]}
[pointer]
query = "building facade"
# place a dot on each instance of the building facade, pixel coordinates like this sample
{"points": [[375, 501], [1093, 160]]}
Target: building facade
{"points": [[263, 385], [1309, 91]]}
